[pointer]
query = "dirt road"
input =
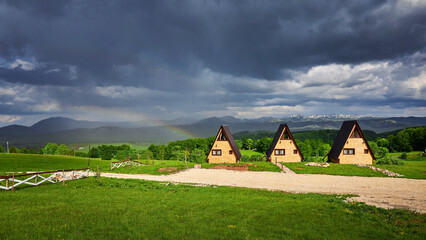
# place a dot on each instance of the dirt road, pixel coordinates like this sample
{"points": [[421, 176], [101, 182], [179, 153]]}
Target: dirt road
{"points": [[381, 192]]}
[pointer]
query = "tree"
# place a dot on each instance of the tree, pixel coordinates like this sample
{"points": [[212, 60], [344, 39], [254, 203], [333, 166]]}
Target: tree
{"points": [[1, 149], [239, 144], [121, 155], [381, 152], [382, 142], [401, 142], [248, 144], [50, 148], [263, 144], [94, 152], [32, 151], [13, 149], [324, 149], [24, 151], [61, 150], [106, 152], [146, 154], [198, 156], [305, 148], [373, 146]]}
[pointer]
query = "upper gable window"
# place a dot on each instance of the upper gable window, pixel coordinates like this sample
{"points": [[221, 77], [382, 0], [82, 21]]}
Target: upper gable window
{"points": [[355, 134], [285, 135], [222, 137]]}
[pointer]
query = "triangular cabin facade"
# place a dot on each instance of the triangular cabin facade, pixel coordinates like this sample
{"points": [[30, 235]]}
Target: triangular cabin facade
{"points": [[224, 149], [350, 146], [283, 148]]}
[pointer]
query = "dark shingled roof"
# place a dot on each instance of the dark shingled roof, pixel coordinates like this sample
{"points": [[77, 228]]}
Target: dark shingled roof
{"points": [[342, 137], [231, 140], [277, 138]]}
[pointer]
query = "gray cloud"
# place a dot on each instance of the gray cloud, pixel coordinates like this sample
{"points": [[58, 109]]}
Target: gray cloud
{"points": [[203, 58]]}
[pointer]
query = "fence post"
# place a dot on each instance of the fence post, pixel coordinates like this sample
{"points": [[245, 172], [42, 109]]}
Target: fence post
{"points": [[111, 165], [63, 177], [13, 181], [7, 183], [56, 177], [35, 180]]}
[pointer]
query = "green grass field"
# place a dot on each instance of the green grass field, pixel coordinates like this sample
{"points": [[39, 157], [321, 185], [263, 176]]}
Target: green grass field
{"points": [[27, 162], [334, 169], [251, 152], [252, 166], [84, 147], [415, 167], [135, 209]]}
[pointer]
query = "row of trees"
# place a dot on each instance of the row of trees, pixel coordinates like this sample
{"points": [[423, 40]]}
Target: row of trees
{"points": [[14, 149], [407, 140]]}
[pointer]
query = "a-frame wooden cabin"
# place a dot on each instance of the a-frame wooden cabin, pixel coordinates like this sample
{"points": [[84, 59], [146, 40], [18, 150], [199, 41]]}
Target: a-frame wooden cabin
{"points": [[283, 148], [350, 146], [224, 149]]}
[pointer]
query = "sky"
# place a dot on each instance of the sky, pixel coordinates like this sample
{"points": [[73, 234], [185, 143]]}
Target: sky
{"points": [[158, 60]]}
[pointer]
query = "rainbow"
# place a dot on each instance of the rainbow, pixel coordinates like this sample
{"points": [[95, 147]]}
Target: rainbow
{"points": [[138, 117]]}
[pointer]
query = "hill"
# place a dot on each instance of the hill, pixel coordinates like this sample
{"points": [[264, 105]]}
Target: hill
{"points": [[65, 130]]}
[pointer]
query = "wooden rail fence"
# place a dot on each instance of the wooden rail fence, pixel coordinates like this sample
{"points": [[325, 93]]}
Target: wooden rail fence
{"points": [[35, 179], [125, 163]]}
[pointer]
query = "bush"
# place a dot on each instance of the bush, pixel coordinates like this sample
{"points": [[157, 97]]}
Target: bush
{"points": [[381, 152], [80, 154], [245, 158], [390, 160], [403, 156], [13, 149], [255, 158]]}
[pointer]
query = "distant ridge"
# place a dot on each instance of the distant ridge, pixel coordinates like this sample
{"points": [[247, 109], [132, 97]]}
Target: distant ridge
{"points": [[67, 130]]}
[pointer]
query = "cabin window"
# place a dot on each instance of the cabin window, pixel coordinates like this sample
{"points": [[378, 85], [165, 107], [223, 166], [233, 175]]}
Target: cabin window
{"points": [[285, 136], [216, 152], [348, 151], [356, 134], [366, 151], [294, 151], [222, 137], [279, 151], [230, 151]]}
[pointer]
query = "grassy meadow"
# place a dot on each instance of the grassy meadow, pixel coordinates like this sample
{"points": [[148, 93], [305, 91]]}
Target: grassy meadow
{"points": [[334, 169], [28, 162], [136, 209], [84, 147], [414, 167]]}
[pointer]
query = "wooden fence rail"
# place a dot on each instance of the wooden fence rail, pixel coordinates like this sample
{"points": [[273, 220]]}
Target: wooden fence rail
{"points": [[125, 163], [10, 182]]}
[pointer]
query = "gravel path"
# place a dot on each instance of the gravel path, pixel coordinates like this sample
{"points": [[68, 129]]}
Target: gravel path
{"points": [[381, 192]]}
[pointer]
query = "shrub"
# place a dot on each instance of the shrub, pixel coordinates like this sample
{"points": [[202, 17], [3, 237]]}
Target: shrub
{"points": [[13, 149], [390, 160], [381, 152], [80, 154], [403, 156], [255, 158], [245, 158]]}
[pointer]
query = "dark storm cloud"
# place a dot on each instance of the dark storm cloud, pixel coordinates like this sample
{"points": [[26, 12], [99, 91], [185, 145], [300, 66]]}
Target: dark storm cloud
{"points": [[242, 38], [199, 56]]}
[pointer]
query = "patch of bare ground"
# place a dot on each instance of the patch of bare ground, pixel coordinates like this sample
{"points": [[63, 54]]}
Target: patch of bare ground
{"points": [[377, 191], [168, 169], [233, 167]]}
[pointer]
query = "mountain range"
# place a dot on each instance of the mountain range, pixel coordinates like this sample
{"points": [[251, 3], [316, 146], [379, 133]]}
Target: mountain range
{"points": [[66, 130]]}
